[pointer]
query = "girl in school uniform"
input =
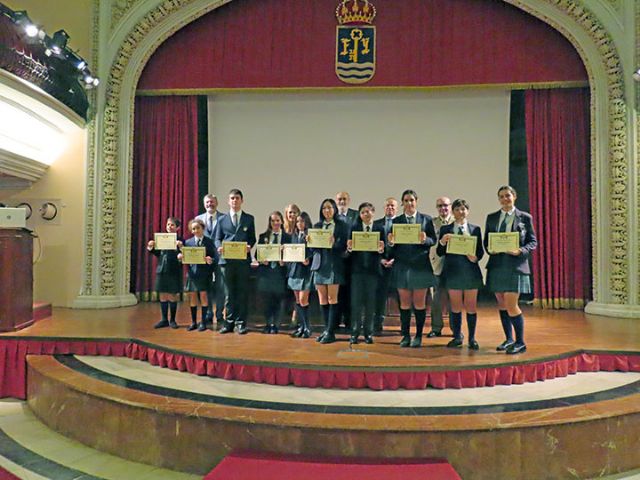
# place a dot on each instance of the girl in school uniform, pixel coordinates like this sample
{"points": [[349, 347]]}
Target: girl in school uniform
{"points": [[291, 213], [168, 277], [461, 274], [299, 278], [508, 274], [199, 276], [272, 276], [412, 272], [328, 267]]}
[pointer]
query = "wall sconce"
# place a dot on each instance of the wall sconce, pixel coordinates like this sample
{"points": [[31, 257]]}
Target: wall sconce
{"points": [[48, 211]]}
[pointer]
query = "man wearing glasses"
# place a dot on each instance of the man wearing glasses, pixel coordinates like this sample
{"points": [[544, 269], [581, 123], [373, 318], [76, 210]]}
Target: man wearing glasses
{"points": [[444, 217]]}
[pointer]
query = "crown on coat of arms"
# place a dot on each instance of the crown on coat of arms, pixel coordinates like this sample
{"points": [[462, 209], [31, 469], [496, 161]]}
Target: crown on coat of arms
{"points": [[355, 11]]}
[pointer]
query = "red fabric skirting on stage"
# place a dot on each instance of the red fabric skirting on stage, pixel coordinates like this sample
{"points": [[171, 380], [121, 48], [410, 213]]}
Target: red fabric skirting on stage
{"points": [[13, 354], [266, 466]]}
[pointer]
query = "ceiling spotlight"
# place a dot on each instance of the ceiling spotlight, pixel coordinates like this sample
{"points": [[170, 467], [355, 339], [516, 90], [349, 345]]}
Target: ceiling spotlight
{"points": [[96, 82], [22, 19], [58, 42], [32, 30], [636, 75], [81, 64]]}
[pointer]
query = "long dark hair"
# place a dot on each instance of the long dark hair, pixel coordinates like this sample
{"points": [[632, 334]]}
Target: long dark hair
{"points": [[333, 204], [307, 222], [269, 231]]}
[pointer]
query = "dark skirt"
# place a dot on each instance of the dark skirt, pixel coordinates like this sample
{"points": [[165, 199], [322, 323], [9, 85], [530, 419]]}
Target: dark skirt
{"points": [[300, 284], [507, 280], [408, 278], [461, 276], [327, 278], [168, 283], [198, 284]]}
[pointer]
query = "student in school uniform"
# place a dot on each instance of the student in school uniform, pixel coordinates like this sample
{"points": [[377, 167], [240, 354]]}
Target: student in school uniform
{"points": [[291, 213], [272, 276], [366, 271], [236, 226], [299, 278], [199, 275], [384, 285], [509, 274], [328, 267], [461, 274], [168, 277], [412, 273]]}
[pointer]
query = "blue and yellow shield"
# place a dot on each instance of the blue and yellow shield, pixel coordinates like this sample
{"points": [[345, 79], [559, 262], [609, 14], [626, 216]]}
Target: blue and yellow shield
{"points": [[355, 53]]}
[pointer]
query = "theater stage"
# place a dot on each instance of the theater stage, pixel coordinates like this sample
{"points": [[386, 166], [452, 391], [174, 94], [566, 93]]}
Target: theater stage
{"points": [[367, 401]]}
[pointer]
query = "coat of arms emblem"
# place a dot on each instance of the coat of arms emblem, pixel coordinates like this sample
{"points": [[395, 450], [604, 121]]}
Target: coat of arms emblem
{"points": [[355, 41]]}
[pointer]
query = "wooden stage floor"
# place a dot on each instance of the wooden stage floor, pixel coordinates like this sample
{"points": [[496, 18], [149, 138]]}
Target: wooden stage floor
{"points": [[549, 333]]}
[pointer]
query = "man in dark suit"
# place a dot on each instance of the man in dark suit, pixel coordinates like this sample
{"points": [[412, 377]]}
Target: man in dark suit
{"points": [[386, 223], [236, 226], [215, 294], [350, 217]]}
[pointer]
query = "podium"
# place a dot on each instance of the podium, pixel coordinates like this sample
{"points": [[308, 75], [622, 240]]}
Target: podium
{"points": [[16, 279]]}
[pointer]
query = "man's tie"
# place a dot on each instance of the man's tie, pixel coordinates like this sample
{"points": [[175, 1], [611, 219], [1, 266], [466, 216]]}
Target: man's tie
{"points": [[503, 225], [235, 220], [198, 242], [460, 230], [210, 224], [387, 226], [368, 229], [410, 219]]}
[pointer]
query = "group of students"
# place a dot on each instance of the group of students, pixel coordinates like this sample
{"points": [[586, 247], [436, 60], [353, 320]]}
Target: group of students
{"points": [[404, 267]]}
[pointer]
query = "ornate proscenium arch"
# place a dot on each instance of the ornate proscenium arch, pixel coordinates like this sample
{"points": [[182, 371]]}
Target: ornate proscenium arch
{"points": [[109, 201]]}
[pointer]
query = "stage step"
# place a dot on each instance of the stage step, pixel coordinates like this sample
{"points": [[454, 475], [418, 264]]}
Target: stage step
{"points": [[176, 420]]}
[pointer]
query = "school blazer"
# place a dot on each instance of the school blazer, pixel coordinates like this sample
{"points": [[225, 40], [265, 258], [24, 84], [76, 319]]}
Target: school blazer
{"points": [[167, 261], [244, 232], [298, 269], [523, 224], [336, 254], [265, 238], [202, 270], [367, 262], [474, 230], [415, 256]]}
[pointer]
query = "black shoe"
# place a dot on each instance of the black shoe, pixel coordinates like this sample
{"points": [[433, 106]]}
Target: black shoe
{"points": [[305, 333], [202, 327], [473, 345], [226, 328], [455, 343], [416, 342], [266, 329], [433, 333], [353, 340], [173, 324], [161, 324], [405, 342], [241, 330], [368, 339], [516, 348], [328, 338], [297, 333], [321, 336], [505, 345], [192, 327], [274, 330]]}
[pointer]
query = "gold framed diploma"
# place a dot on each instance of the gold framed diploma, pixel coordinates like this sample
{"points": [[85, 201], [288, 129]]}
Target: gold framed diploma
{"points": [[406, 233], [365, 241], [194, 255], [165, 241], [504, 242], [293, 252], [319, 238], [462, 245], [234, 250], [268, 252]]}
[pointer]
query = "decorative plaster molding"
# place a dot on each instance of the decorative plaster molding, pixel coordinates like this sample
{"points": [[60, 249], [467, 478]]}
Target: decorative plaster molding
{"points": [[613, 310], [105, 301], [118, 10]]}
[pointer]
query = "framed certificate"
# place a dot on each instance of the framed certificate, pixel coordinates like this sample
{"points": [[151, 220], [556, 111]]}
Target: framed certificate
{"points": [[194, 255], [462, 245], [504, 242], [319, 238], [293, 252], [234, 250], [165, 241], [268, 252], [365, 241], [406, 233]]}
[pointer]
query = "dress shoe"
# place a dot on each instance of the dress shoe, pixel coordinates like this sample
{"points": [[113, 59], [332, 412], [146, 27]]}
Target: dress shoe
{"points": [[416, 342], [353, 340], [328, 338], [297, 333], [266, 329], [173, 324], [241, 330], [433, 333], [368, 339], [516, 348], [405, 342], [202, 327], [321, 336], [455, 343], [473, 345], [274, 330], [192, 327], [227, 328], [161, 324], [305, 333], [504, 345]]}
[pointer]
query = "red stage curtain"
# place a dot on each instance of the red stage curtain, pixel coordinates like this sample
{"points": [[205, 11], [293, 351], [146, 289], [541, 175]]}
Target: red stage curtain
{"points": [[292, 43], [558, 151], [165, 177]]}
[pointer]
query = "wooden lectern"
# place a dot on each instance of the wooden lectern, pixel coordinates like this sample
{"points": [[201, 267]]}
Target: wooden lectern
{"points": [[16, 279]]}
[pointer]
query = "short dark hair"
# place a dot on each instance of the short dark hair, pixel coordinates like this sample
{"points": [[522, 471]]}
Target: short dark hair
{"points": [[175, 221], [459, 202], [236, 191], [366, 205], [195, 220], [508, 187]]}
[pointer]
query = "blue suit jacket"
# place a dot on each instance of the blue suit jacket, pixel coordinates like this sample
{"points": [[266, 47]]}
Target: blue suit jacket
{"points": [[244, 232], [523, 224], [415, 256], [211, 233]]}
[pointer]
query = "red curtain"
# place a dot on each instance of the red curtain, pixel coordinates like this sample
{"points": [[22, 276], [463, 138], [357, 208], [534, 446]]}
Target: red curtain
{"points": [[165, 176], [558, 132], [292, 43]]}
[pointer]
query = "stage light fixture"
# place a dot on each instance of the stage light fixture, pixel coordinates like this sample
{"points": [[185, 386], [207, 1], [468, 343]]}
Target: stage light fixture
{"points": [[56, 43]]}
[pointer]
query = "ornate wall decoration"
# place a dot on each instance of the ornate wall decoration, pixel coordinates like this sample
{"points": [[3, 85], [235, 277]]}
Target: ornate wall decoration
{"points": [[118, 9], [116, 99], [637, 144]]}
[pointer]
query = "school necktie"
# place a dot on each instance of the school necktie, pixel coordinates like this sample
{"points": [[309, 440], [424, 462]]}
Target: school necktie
{"points": [[198, 243], [460, 230], [235, 220], [275, 240], [503, 225], [368, 229], [410, 219]]}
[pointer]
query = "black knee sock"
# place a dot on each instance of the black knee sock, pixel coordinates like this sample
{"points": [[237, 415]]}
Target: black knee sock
{"points": [[173, 308], [164, 308], [334, 317], [204, 310], [325, 315], [455, 319], [506, 325], [421, 316], [472, 320], [518, 326], [194, 314], [405, 322], [302, 315]]}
